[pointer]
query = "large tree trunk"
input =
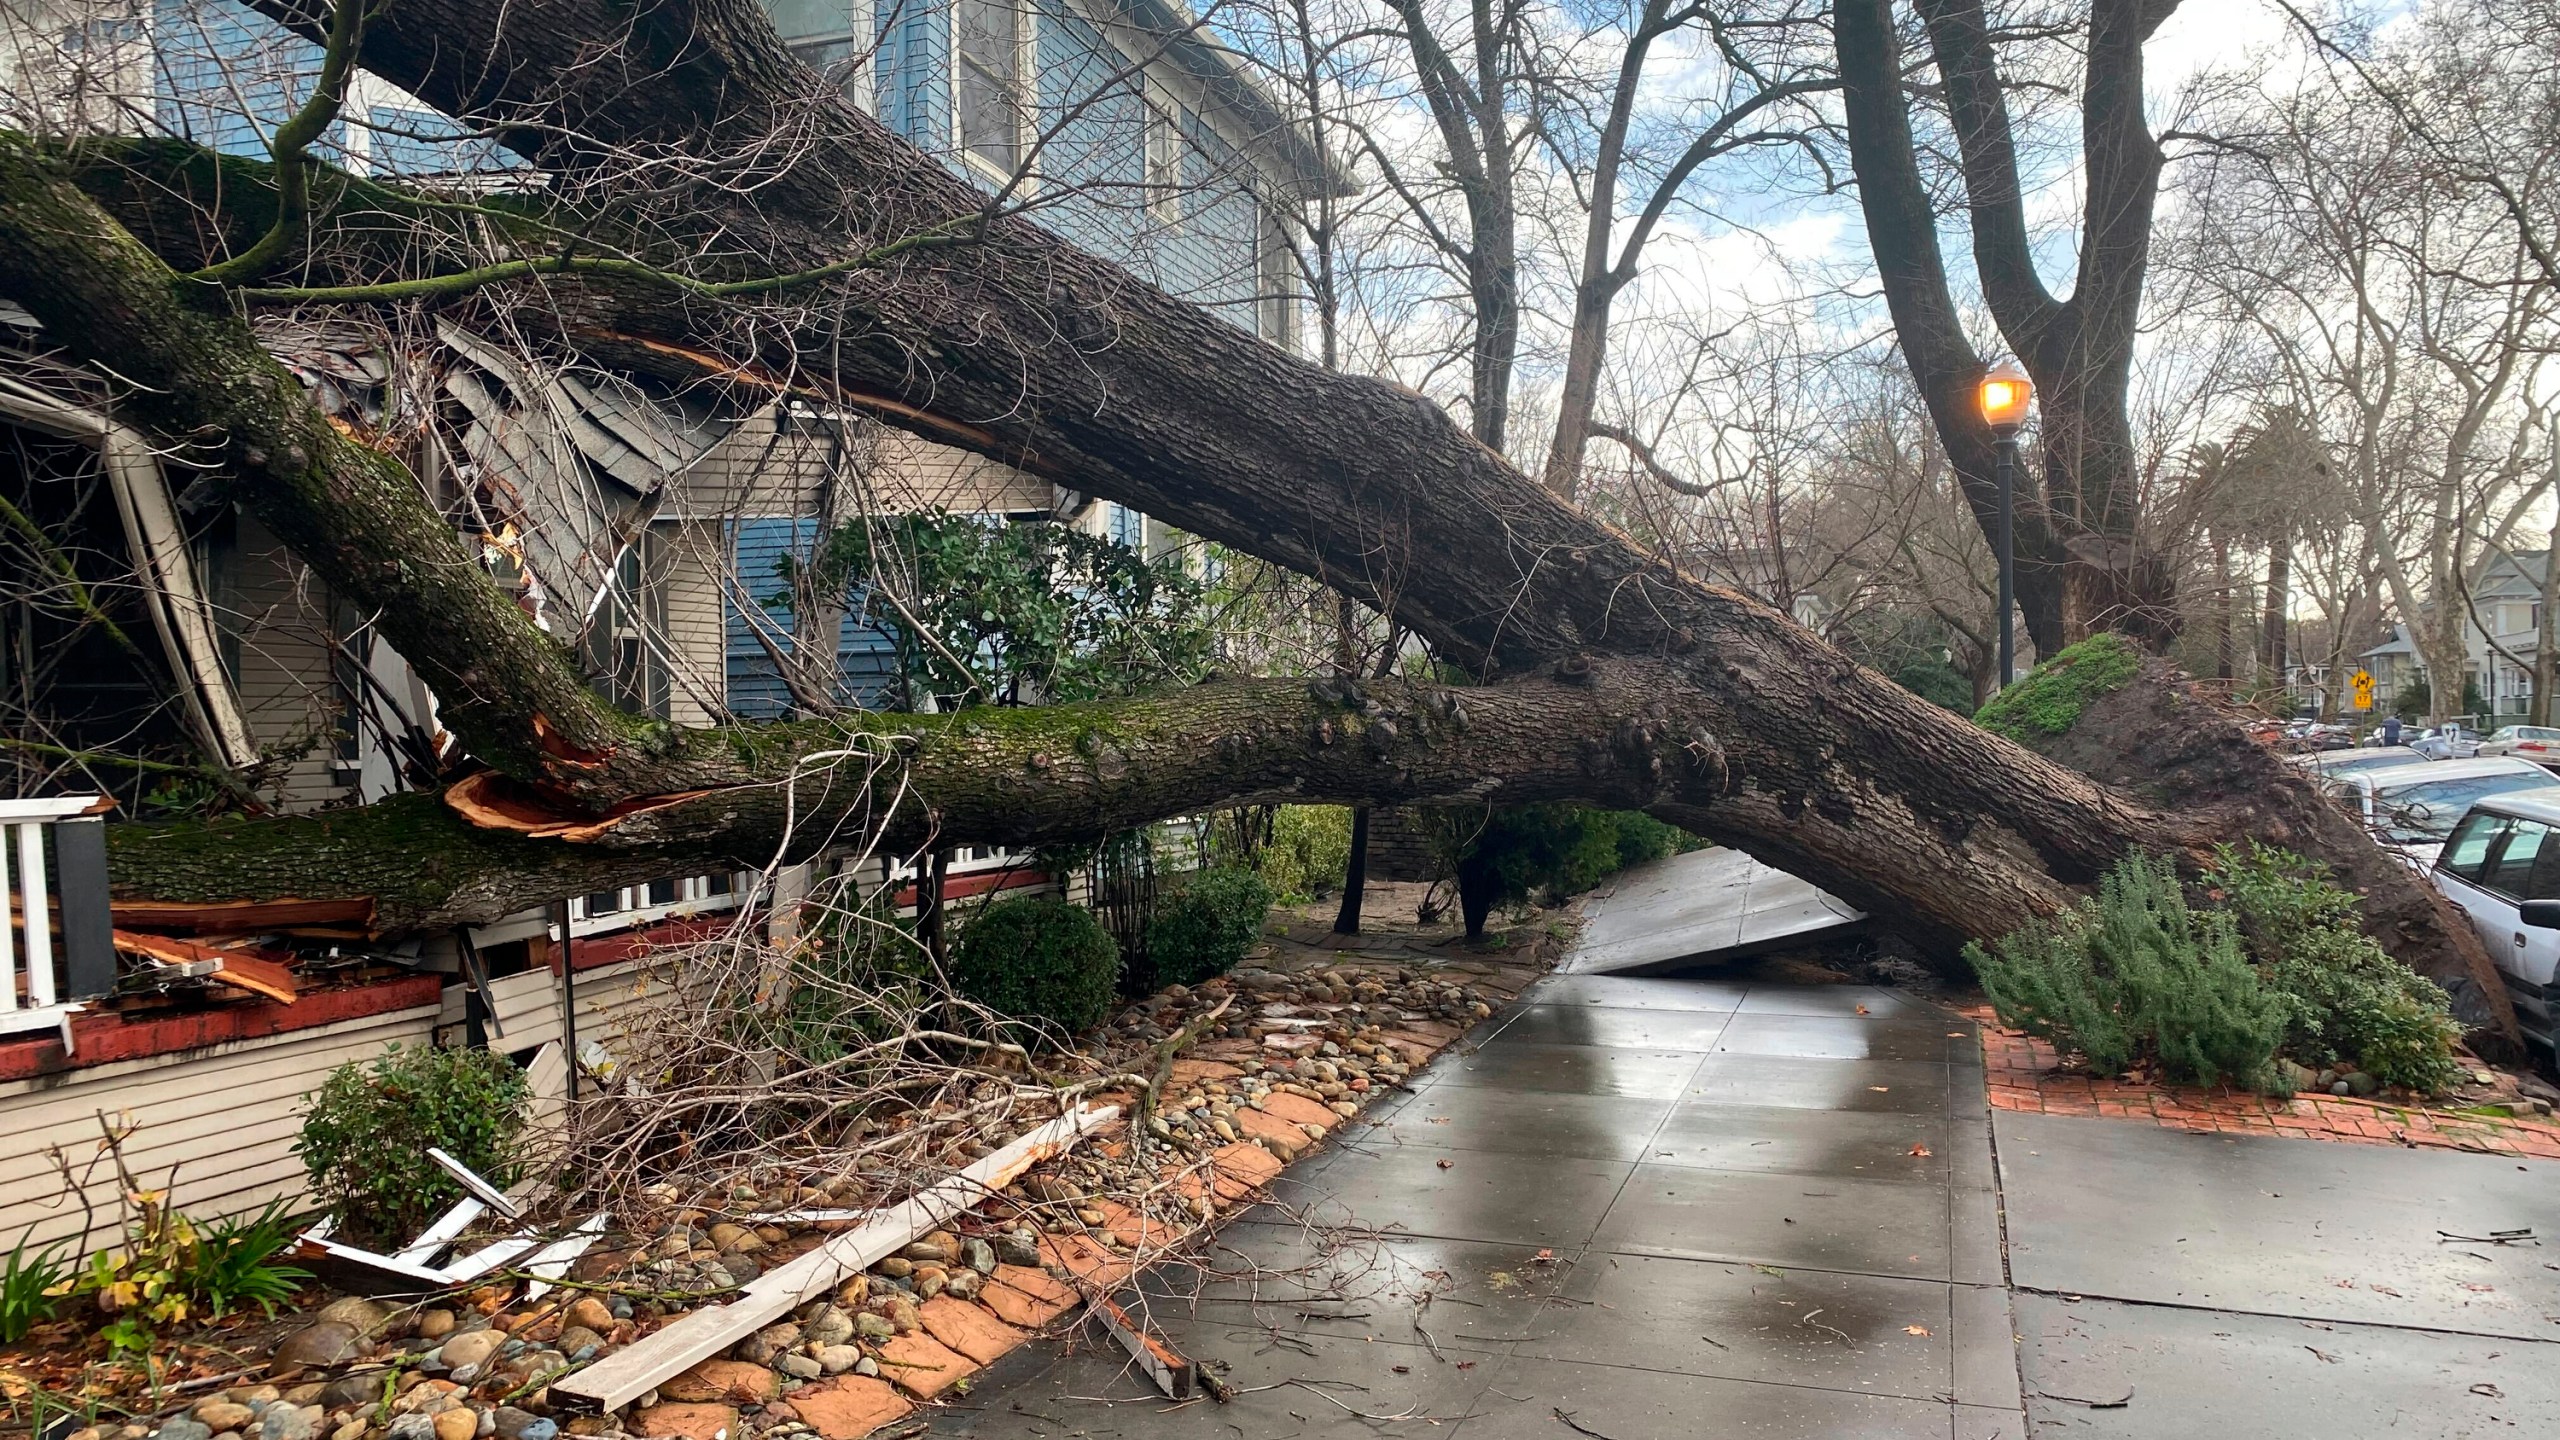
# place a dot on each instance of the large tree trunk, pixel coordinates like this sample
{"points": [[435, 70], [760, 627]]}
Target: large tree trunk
{"points": [[1689, 700], [2083, 565]]}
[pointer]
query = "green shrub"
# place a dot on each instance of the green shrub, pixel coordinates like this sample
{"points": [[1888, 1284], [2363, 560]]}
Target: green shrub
{"points": [[2050, 699], [364, 1118], [29, 1289], [1038, 959], [1204, 927], [1548, 851], [1938, 683], [2347, 998], [2135, 975], [1309, 848]]}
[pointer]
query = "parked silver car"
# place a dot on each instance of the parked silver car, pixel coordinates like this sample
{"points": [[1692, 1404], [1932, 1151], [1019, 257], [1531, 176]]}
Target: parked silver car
{"points": [[2502, 867], [2412, 808], [2537, 743], [2348, 762]]}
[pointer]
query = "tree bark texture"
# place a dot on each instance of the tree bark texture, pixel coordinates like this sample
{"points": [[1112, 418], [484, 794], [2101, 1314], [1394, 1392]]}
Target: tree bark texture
{"points": [[1741, 726]]}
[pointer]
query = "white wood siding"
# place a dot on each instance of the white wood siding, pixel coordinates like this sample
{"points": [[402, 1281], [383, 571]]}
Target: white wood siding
{"points": [[225, 1117]]}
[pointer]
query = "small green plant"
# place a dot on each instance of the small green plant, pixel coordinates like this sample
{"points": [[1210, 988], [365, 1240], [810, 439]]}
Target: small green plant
{"points": [[2049, 701], [469, 1103], [173, 1269], [31, 1289], [231, 1262], [1204, 927], [1040, 960], [2133, 976]]}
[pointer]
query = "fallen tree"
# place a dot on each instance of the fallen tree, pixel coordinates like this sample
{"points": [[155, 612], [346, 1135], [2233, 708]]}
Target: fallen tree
{"points": [[1612, 676]]}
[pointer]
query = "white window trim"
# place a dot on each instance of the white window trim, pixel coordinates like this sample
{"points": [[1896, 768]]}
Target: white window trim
{"points": [[693, 897], [1025, 77], [1164, 145]]}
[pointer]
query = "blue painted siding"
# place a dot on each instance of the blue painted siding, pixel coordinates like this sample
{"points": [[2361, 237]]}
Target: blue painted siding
{"points": [[865, 658], [229, 76]]}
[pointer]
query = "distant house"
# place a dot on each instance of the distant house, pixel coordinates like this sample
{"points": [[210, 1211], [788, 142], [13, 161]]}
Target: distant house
{"points": [[650, 529], [2501, 634]]}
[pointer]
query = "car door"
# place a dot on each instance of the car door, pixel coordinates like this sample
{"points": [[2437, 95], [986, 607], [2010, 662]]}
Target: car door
{"points": [[2526, 855], [2460, 869], [2537, 961]]}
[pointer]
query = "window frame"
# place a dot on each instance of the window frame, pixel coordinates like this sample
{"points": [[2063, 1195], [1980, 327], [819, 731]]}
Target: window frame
{"points": [[1024, 87], [1161, 152]]}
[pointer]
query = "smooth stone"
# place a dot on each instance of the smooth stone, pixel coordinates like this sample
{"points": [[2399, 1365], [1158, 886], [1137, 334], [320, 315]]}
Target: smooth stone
{"points": [[471, 1347], [588, 1313], [458, 1423], [365, 1316], [322, 1342], [798, 1366], [220, 1415], [435, 1324], [829, 1326], [978, 1255], [832, 1360], [871, 1326], [412, 1427], [181, 1428]]}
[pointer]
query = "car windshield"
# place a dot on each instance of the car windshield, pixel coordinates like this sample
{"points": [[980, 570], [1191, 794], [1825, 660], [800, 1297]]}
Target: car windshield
{"points": [[2422, 812]]}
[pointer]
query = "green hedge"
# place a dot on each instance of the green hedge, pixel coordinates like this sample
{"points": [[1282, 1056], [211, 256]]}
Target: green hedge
{"points": [[1040, 960], [1204, 927]]}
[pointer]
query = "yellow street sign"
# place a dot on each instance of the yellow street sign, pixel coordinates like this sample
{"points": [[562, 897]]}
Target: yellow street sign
{"points": [[2361, 684]]}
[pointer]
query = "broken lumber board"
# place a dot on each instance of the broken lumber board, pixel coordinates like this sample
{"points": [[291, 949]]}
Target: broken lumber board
{"points": [[637, 1368], [1161, 1364], [242, 969]]}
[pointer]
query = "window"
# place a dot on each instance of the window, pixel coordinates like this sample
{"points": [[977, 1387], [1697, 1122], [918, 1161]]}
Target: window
{"points": [[2506, 872], [2469, 848], [834, 37], [624, 661], [1164, 156], [1277, 285], [987, 100]]}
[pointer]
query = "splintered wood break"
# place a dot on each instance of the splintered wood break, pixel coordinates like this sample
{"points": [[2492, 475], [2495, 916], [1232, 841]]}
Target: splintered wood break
{"points": [[1169, 1371], [492, 802]]}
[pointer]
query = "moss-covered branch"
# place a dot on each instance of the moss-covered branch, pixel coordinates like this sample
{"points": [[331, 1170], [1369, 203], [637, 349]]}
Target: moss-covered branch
{"points": [[1022, 777]]}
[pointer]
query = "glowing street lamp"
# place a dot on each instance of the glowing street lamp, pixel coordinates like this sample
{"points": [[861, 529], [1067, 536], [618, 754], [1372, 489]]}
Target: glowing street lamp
{"points": [[2004, 394]]}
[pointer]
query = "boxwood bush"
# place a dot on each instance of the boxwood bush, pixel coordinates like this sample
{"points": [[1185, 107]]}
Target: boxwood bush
{"points": [[366, 1130], [1038, 959], [1204, 927]]}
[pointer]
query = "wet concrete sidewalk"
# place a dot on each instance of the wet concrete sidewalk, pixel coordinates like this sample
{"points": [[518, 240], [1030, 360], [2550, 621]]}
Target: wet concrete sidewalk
{"points": [[1624, 1208], [2174, 1284]]}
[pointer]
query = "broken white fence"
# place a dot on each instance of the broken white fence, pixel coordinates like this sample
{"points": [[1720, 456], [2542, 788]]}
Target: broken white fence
{"points": [[53, 854]]}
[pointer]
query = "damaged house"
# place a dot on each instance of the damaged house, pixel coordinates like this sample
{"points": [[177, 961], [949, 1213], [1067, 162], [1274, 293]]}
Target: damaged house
{"points": [[161, 653]]}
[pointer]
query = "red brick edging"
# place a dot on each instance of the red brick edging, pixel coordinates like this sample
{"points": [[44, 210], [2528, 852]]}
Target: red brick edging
{"points": [[2025, 1074]]}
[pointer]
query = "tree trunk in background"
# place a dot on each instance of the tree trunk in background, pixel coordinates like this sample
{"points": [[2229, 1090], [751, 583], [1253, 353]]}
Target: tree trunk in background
{"points": [[2546, 666], [2225, 620], [2082, 562], [2271, 628]]}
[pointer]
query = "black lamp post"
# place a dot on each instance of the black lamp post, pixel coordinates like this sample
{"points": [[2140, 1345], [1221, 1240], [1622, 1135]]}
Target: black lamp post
{"points": [[2005, 393]]}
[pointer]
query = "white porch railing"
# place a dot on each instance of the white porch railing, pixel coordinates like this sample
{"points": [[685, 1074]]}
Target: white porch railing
{"points": [[43, 842]]}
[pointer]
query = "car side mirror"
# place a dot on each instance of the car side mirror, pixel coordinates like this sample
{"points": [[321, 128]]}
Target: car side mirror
{"points": [[2541, 914]]}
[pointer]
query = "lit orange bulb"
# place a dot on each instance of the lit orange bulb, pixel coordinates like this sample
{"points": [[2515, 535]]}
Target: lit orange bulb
{"points": [[2005, 392]]}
